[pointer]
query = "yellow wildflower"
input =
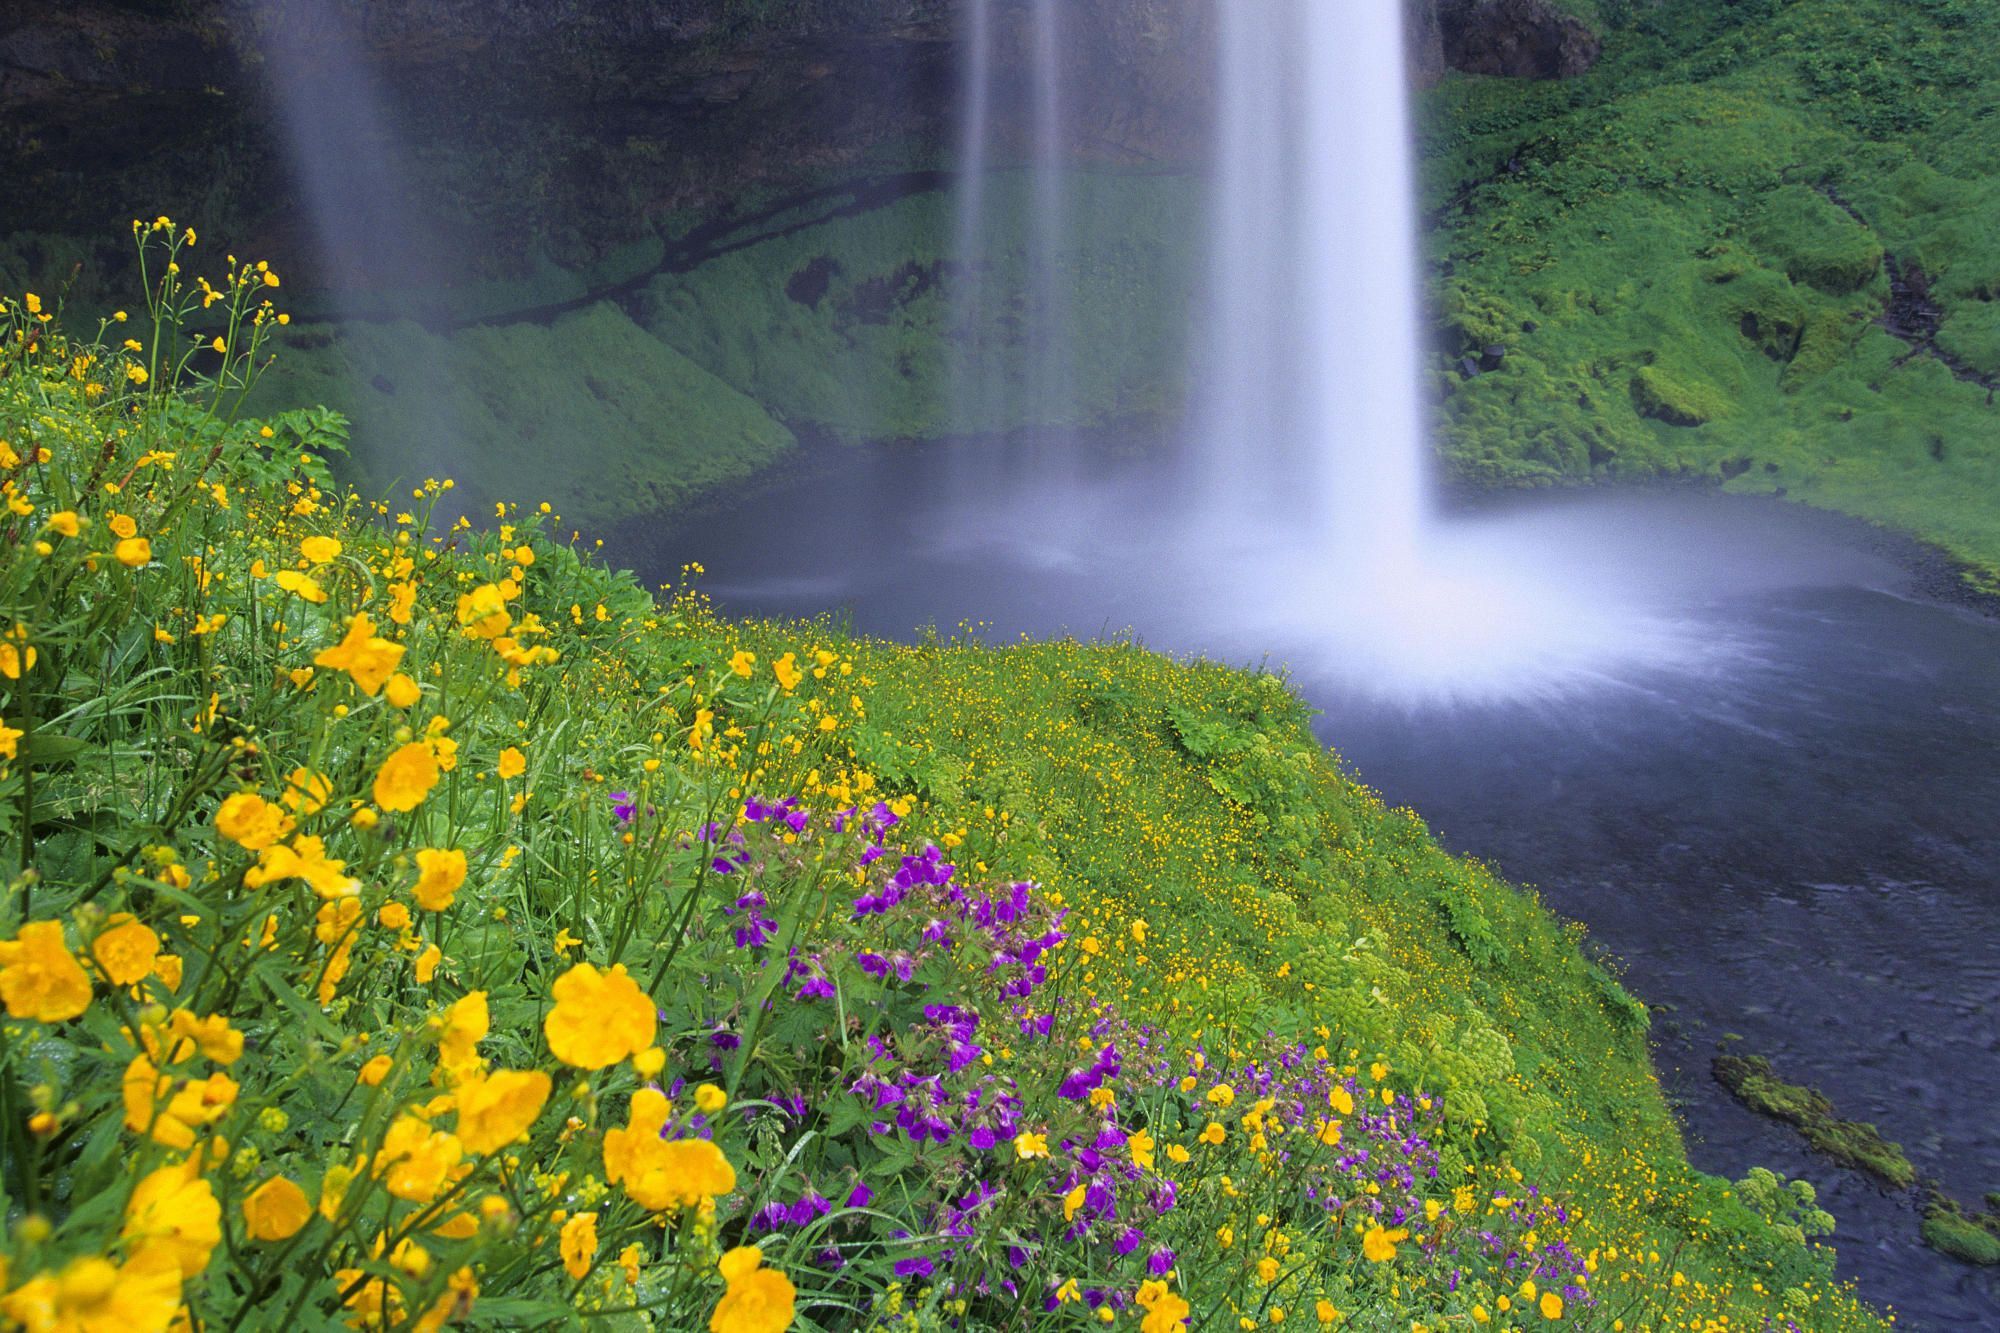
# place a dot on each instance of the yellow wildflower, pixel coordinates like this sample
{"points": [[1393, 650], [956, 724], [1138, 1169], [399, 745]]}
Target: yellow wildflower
{"points": [[275, 1210], [579, 1245], [39, 978], [599, 1018], [406, 778], [174, 1207], [439, 875]]}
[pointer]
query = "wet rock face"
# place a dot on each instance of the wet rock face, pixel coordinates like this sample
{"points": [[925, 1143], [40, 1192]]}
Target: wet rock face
{"points": [[1527, 39], [1424, 31], [569, 128]]}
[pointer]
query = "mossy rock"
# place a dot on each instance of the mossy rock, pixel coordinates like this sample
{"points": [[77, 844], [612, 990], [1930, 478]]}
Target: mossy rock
{"points": [[1949, 1229], [1667, 397], [1751, 1080]]}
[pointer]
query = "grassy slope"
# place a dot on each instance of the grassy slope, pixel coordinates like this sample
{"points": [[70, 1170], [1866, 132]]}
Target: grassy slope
{"points": [[1282, 897], [1684, 259], [611, 419], [586, 412]]}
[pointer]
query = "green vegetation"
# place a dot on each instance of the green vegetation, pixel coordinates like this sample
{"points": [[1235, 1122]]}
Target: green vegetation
{"points": [[847, 325], [855, 325], [1751, 1081], [1950, 1229], [585, 411], [327, 819], [1696, 254]]}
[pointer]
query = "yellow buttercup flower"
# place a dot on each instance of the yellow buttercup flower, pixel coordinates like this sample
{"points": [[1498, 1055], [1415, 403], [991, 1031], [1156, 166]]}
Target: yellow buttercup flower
{"points": [[174, 1207], [133, 552], [512, 763], [125, 950], [275, 1210], [465, 1025], [743, 663], [406, 777], [212, 1036], [13, 660], [304, 859], [495, 1110], [578, 1245], [320, 550], [599, 1018], [439, 875], [302, 585], [787, 670], [91, 1294], [416, 1160], [251, 822], [1168, 1314], [757, 1300], [363, 655], [483, 612], [39, 977], [663, 1174], [1379, 1245]]}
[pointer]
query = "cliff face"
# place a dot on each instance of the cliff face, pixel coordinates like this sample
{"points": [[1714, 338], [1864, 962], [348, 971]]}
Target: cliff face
{"points": [[1530, 39], [564, 129]]}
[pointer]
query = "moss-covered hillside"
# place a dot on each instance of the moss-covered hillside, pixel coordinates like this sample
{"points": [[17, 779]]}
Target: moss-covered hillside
{"points": [[841, 313], [1755, 244]]}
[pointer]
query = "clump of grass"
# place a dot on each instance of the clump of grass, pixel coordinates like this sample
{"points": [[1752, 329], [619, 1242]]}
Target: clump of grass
{"points": [[1950, 1228]]}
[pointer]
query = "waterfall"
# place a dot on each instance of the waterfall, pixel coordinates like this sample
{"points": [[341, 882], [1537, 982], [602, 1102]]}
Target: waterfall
{"points": [[1011, 294], [1308, 393], [352, 173]]}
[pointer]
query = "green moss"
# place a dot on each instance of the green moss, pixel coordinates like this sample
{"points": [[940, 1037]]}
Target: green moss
{"points": [[1682, 252], [1972, 332], [1972, 1237], [1751, 1081], [1676, 401], [851, 324], [1816, 243], [586, 412]]}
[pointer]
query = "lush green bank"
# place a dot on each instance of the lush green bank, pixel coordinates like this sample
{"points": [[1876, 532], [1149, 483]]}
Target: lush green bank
{"points": [[1754, 245], [848, 314], [327, 819]]}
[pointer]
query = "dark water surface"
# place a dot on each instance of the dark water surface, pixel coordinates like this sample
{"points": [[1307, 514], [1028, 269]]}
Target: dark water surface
{"points": [[1773, 791]]}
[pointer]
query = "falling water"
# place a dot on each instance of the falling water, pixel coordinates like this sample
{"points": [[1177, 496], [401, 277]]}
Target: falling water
{"points": [[1310, 407], [1012, 300], [350, 167], [1310, 459]]}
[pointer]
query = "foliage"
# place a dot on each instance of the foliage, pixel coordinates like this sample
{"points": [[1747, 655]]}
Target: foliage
{"points": [[586, 410], [418, 925], [1684, 254]]}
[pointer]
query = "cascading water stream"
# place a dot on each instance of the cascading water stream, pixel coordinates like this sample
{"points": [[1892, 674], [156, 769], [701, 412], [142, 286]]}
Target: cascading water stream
{"points": [[1309, 409], [1011, 203], [352, 174], [1309, 477]]}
